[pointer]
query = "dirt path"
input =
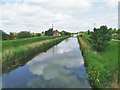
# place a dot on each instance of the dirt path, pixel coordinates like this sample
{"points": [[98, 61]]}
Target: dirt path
{"points": [[115, 40], [84, 43]]}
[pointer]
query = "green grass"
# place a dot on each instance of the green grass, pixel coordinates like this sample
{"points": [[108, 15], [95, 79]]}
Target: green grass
{"points": [[0, 46], [102, 67], [14, 57], [86, 38], [7, 44]]}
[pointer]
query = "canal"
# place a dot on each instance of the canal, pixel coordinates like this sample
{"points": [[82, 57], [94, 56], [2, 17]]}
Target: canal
{"points": [[62, 66]]}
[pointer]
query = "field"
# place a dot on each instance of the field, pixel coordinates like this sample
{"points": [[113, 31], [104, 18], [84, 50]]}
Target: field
{"points": [[16, 53], [8, 44], [102, 67]]}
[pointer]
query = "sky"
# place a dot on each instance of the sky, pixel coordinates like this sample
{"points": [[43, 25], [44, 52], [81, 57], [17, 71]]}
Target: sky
{"points": [[68, 15]]}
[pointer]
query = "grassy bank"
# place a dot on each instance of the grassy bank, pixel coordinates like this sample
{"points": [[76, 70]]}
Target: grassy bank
{"points": [[102, 67], [17, 56]]}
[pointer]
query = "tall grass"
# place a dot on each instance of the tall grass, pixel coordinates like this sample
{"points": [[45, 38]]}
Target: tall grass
{"points": [[102, 67], [15, 57]]}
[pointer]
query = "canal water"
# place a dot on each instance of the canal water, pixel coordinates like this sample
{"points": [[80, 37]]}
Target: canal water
{"points": [[62, 66]]}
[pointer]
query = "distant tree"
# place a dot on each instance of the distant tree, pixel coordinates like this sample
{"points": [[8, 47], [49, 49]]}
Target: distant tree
{"points": [[33, 34], [46, 33], [64, 33], [5, 36], [114, 30], [24, 34], [119, 33], [100, 38], [49, 32], [43, 33], [88, 32], [38, 34], [111, 30], [11, 36]]}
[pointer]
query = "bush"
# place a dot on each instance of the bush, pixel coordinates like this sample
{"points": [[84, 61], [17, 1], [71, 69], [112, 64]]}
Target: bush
{"points": [[38, 34], [119, 34], [24, 34], [49, 32], [4, 35], [100, 38]]}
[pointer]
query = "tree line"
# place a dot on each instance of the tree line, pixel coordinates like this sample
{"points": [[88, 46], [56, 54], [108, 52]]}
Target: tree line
{"points": [[27, 34], [22, 34]]}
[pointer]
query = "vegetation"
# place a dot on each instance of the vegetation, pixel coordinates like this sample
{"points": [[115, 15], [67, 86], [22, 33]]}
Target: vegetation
{"points": [[100, 38], [49, 32], [18, 48], [64, 33], [9, 44], [118, 34], [89, 32], [24, 34], [115, 33], [102, 67], [13, 57], [4, 35], [38, 34]]}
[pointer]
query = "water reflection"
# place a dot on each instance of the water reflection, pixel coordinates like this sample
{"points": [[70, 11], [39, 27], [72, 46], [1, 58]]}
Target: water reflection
{"points": [[61, 66]]}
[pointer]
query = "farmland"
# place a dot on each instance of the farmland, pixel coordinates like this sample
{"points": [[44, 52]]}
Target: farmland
{"points": [[8, 44], [102, 67]]}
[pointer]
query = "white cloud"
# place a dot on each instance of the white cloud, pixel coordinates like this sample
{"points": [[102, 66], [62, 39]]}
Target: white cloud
{"points": [[63, 17], [38, 15], [72, 3], [112, 3], [37, 1]]}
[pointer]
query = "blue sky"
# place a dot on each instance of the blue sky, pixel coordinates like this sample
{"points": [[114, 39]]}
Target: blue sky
{"points": [[69, 15]]}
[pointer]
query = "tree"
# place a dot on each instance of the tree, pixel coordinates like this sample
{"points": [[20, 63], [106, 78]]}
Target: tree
{"points": [[100, 38], [33, 34], [64, 33], [88, 32], [119, 33], [43, 33], [38, 34], [4, 35], [49, 32], [24, 34], [114, 30]]}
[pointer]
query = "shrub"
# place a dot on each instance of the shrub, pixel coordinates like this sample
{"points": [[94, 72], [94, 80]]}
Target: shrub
{"points": [[24, 34], [4, 35], [119, 34], [100, 38], [49, 32]]}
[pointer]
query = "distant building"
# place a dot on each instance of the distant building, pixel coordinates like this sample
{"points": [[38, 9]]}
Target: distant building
{"points": [[56, 33]]}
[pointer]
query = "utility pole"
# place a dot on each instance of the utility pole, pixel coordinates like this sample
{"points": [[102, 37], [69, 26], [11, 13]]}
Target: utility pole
{"points": [[52, 26], [94, 25]]}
